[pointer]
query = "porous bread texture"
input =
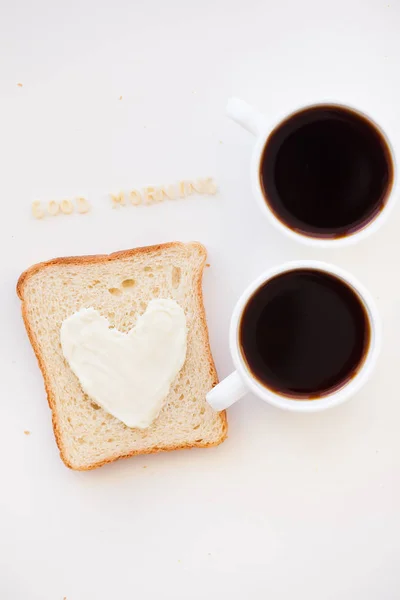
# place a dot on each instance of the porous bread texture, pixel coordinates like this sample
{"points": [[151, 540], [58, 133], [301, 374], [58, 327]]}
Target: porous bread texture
{"points": [[120, 286]]}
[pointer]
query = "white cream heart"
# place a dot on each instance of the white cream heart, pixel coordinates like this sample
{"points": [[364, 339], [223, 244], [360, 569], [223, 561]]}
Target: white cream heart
{"points": [[127, 374]]}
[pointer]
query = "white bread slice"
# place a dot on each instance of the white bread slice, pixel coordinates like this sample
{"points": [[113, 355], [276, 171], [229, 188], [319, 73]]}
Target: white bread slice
{"points": [[120, 286]]}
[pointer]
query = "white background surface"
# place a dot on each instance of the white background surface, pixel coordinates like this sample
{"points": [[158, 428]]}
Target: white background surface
{"points": [[290, 506]]}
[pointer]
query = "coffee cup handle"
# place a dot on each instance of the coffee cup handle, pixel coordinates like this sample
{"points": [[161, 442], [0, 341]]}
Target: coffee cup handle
{"points": [[247, 116], [226, 393]]}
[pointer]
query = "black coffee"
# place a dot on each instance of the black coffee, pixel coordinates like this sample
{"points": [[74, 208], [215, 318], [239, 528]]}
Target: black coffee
{"points": [[304, 333], [326, 171]]}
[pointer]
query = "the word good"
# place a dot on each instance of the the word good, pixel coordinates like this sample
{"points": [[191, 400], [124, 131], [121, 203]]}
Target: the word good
{"points": [[55, 207]]}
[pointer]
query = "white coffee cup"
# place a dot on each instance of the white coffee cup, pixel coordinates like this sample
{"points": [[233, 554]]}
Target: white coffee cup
{"points": [[242, 381], [255, 122]]}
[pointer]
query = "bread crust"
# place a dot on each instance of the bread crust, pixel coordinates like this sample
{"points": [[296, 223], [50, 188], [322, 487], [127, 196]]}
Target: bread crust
{"points": [[104, 258]]}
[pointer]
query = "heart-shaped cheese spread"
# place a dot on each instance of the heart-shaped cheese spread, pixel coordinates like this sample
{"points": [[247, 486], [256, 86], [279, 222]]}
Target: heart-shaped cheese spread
{"points": [[127, 374]]}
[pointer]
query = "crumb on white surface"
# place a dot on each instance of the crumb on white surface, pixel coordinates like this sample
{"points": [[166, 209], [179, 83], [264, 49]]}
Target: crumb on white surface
{"points": [[27, 432]]}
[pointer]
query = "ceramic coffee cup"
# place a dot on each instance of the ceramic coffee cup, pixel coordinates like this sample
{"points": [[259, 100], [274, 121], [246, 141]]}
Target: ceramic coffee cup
{"points": [[264, 128], [243, 380]]}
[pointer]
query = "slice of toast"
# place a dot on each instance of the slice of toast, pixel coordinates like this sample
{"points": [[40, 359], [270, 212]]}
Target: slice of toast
{"points": [[120, 286]]}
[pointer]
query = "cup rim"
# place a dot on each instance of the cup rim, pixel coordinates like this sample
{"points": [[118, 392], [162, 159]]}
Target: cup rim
{"points": [[369, 228], [350, 387]]}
